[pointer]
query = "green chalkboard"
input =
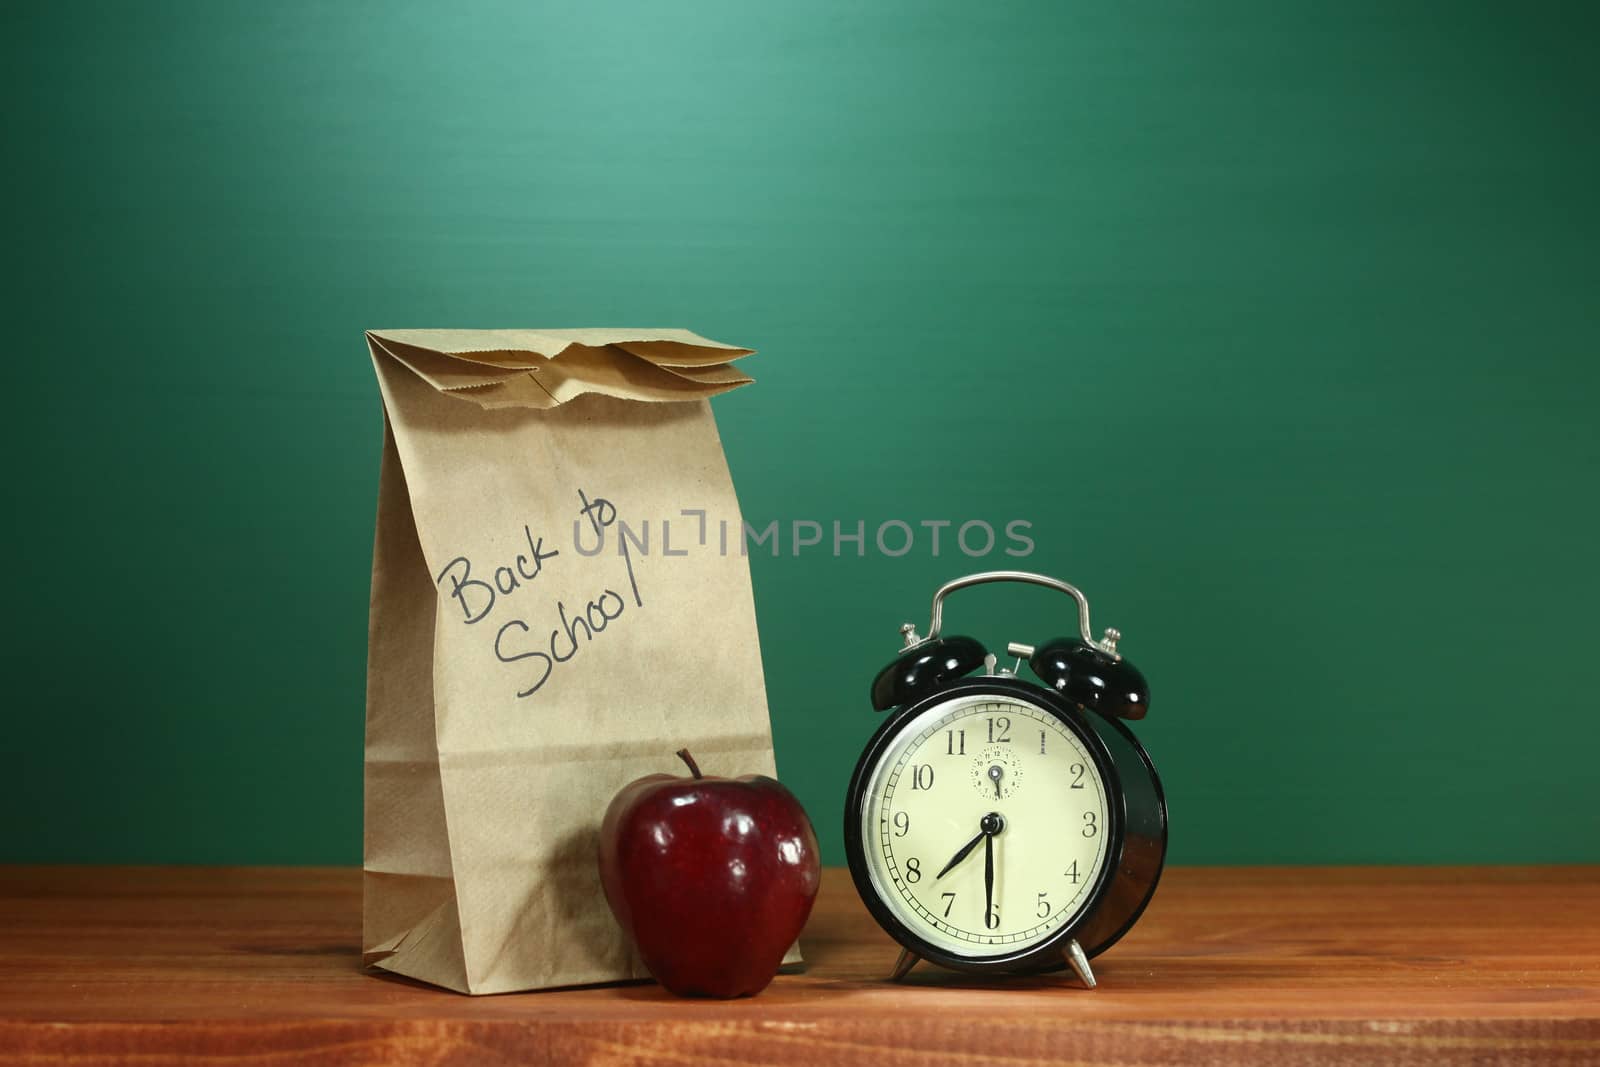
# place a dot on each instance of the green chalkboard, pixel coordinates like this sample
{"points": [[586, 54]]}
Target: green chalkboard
{"points": [[1274, 322]]}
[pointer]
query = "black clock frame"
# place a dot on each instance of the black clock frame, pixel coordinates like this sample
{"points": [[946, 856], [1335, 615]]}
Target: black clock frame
{"points": [[1114, 874]]}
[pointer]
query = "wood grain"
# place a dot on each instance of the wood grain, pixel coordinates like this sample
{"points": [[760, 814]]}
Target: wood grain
{"points": [[1263, 965]]}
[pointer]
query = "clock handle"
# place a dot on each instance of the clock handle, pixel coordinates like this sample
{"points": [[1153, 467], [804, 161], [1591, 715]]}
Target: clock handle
{"points": [[1107, 644]]}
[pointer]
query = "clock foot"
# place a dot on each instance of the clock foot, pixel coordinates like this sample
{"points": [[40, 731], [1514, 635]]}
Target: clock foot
{"points": [[903, 965], [1079, 962]]}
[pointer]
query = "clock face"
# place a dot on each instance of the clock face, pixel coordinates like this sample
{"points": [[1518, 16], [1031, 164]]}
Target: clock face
{"points": [[978, 782]]}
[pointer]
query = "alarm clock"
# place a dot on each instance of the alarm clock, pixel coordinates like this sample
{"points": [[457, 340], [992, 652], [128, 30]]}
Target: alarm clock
{"points": [[1006, 824]]}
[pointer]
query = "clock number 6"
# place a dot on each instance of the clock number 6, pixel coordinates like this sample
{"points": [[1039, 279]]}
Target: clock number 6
{"points": [[991, 918]]}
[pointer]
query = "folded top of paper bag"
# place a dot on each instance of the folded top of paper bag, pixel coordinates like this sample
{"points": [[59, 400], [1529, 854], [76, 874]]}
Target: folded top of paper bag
{"points": [[546, 368]]}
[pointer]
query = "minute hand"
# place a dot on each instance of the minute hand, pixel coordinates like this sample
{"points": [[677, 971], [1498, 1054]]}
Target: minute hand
{"points": [[966, 850], [988, 877]]}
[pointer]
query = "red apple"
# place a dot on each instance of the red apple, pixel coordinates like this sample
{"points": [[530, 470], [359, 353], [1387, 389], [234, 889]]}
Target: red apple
{"points": [[712, 877]]}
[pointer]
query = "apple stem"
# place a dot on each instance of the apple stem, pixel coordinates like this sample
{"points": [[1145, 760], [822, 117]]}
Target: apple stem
{"points": [[694, 768]]}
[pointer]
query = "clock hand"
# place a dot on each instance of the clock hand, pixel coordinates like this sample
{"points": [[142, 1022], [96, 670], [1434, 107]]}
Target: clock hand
{"points": [[988, 877], [996, 772], [966, 850], [988, 826]]}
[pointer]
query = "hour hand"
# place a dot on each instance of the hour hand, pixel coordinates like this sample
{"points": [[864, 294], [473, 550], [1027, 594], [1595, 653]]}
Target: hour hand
{"points": [[966, 850]]}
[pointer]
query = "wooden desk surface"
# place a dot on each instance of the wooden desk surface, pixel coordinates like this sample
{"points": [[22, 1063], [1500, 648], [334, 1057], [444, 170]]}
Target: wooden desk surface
{"points": [[1243, 965]]}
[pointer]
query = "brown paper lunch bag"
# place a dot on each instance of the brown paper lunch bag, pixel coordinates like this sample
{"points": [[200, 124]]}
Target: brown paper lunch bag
{"points": [[558, 605]]}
